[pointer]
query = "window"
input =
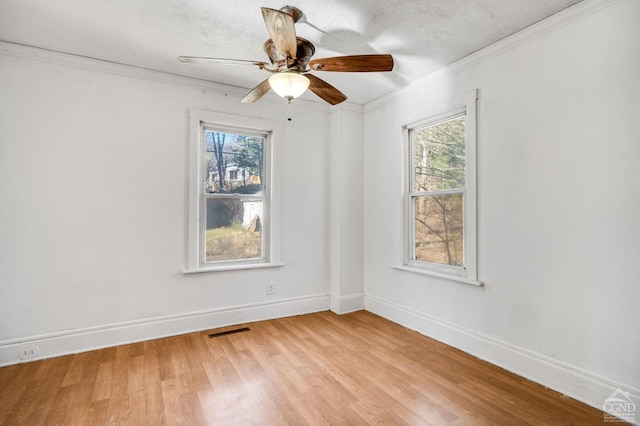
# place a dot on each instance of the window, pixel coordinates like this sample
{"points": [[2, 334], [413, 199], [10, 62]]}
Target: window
{"points": [[230, 215], [233, 210], [441, 193]]}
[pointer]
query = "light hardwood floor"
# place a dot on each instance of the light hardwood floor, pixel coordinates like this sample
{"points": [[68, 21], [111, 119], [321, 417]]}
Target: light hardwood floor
{"points": [[311, 369]]}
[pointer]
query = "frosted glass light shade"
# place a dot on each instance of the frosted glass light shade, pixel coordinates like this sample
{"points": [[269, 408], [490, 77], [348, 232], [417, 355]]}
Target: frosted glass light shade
{"points": [[289, 85]]}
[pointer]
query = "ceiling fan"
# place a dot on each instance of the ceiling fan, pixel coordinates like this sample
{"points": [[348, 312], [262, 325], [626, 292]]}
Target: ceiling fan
{"points": [[291, 63]]}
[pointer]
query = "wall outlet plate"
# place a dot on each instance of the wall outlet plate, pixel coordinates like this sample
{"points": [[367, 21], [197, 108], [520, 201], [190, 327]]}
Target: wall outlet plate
{"points": [[29, 351]]}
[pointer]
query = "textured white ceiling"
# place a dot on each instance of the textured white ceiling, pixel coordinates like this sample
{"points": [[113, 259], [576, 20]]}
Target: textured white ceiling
{"points": [[422, 35]]}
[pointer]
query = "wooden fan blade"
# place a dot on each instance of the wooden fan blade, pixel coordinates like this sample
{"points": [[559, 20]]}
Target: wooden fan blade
{"points": [[259, 91], [282, 31], [201, 59], [325, 90], [354, 63]]}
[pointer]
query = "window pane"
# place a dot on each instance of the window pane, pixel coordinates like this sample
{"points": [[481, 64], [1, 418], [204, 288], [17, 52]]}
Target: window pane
{"points": [[439, 229], [233, 229], [439, 156], [234, 163]]}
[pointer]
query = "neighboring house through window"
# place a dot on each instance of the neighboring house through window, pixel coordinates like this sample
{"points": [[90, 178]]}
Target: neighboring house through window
{"points": [[230, 223]]}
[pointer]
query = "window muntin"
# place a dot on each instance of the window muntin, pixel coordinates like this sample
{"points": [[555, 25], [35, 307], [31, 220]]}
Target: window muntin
{"points": [[234, 206]]}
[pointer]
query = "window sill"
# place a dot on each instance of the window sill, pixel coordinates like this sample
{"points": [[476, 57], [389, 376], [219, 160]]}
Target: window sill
{"points": [[233, 268], [462, 280]]}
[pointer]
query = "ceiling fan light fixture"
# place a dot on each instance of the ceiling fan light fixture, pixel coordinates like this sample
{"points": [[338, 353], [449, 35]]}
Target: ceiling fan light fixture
{"points": [[289, 85]]}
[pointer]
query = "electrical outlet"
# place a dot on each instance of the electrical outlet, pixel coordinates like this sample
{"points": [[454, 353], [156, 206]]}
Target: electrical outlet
{"points": [[28, 352], [271, 288]]}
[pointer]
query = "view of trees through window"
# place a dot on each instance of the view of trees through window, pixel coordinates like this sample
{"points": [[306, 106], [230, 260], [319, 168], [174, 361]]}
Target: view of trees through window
{"points": [[437, 192], [234, 196]]}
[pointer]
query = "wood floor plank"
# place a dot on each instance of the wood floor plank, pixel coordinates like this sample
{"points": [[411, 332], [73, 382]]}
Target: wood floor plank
{"points": [[41, 387], [98, 413], [154, 413], [135, 374], [10, 395], [316, 369], [102, 386]]}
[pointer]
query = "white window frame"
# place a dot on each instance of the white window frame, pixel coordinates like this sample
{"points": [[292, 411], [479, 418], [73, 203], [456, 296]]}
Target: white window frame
{"points": [[199, 121], [438, 113]]}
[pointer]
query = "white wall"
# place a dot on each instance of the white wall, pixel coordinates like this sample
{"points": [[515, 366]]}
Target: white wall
{"points": [[93, 210], [559, 203]]}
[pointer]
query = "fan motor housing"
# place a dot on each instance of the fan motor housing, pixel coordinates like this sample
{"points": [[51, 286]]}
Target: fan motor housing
{"points": [[304, 51]]}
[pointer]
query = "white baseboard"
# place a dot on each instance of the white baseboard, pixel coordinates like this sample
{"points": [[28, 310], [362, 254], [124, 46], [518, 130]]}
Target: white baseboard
{"points": [[587, 387], [349, 303], [86, 339]]}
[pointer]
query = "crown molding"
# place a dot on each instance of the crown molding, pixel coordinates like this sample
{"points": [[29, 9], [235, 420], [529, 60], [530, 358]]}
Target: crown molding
{"points": [[552, 23], [92, 64], [123, 70], [348, 106]]}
